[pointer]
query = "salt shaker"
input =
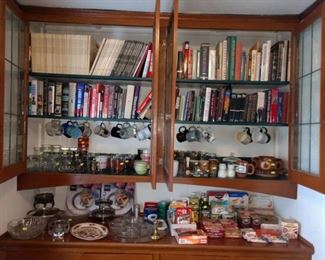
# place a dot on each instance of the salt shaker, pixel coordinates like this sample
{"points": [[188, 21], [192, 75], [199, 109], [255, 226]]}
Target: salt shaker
{"points": [[222, 173], [231, 171]]}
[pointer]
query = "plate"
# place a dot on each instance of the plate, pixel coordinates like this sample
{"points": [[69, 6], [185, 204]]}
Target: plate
{"points": [[89, 231]]}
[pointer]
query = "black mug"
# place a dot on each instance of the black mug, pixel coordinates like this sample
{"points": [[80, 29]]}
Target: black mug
{"points": [[115, 131], [181, 135]]}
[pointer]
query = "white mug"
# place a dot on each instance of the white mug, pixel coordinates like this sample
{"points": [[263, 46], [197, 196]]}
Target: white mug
{"points": [[244, 136], [261, 136]]}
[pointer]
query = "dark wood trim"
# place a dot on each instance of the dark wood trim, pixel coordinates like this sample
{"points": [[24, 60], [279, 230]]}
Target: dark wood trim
{"points": [[283, 188], [310, 9], [11, 171], [313, 14], [27, 180], [2, 76], [87, 16], [155, 97], [15, 7], [235, 22]]}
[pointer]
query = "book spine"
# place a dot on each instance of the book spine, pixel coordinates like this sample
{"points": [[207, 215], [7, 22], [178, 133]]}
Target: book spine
{"points": [[280, 107], [129, 101], [190, 65], [105, 101], [204, 60], [72, 98], [40, 95], [32, 98], [186, 54], [150, 70], [260, 106], [179, 72], [206, 104], [226, 104], [238, 60], [224, 65], [234, 100], [45, 97], [85, 109], [79, 99], [285, 107], [274, 105], [51, 98], [93, 102], [65, 99], [220, 104], [110, 112], [144, 102], [212, 65], [135, 100], [58, 99], [100, 99], [213, 105], [232, 40], [146, 64]]}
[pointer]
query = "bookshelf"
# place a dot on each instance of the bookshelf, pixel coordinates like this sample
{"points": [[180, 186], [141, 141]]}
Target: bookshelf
{"points": [[195, 31], [65, 69]]}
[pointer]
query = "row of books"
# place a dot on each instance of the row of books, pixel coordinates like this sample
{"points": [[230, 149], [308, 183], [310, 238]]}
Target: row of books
{"points": [[123, 58], [228, 60], [223, 105], [62, 53], [80, 54], [79, 99]]}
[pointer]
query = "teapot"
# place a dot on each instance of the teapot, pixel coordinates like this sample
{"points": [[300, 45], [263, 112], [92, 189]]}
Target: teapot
{"points": [[268, 166]]}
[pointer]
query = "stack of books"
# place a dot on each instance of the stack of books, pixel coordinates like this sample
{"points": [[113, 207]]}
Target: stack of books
{"points": [[228, 60], [79, 99]]}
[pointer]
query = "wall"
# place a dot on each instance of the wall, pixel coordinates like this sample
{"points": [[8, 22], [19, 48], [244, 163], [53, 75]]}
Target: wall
{"points": [[13, 203]]}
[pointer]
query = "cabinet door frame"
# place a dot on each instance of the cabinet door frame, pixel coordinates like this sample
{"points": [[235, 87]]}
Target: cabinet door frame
{"points": [[316, 182], [7, 172]]}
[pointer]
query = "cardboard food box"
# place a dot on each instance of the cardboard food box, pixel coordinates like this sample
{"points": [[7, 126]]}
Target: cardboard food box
{"points": [[188, 236]]}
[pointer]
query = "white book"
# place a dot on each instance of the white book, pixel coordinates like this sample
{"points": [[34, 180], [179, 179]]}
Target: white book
{"points": [[85, 109], [72, 98], [267, 60], [224, 63], [116, 51], [97, 56], [101, 58], [258, 66], [146, 64], [194, 64], [33, 97], [181, 107], [263, 62], [206, 109], [129, 101], [109, 56], [284, 61], [212, 64]]}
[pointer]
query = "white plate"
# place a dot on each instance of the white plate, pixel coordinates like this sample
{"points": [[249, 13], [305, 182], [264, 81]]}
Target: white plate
{"points": [[89, 231]]}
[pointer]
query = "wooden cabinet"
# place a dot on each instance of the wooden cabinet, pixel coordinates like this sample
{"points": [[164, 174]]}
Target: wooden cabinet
{"points": [[168, 31], [164, 249], [13, 67], [307, 131]]}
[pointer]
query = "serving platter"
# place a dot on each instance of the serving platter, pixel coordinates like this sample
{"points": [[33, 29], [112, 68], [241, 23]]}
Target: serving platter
{"points": [[89, 231]]}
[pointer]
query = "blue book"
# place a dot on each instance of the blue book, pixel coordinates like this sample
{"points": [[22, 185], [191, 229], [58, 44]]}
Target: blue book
{"points": [[80, 98]]}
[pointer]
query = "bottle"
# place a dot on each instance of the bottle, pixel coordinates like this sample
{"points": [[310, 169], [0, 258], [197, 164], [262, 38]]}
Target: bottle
{"points": [[194, 203], [204, 207], [222, 173], [231, 171]]}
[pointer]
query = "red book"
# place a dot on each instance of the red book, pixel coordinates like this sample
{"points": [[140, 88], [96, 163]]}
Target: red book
{"points": [[93, 104], [190, 65], [150, 72], [238, 62], [186, 54], [274, 105], [144, 102], [105, 101]]}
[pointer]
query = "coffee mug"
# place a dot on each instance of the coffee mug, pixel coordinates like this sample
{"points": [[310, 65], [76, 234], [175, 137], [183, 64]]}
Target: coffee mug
{"points": [[193, 134], [53, 128], [128, 131], [144, 133], [71, 129], [181, 135], [244, 136], [101, 130], [115, 131], [243, 168], [261, 136], [85, 129], [208, 136]]}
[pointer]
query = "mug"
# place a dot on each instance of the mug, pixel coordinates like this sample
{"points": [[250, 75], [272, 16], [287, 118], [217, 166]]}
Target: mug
{"points": [[101, 130], [243, 168], [85, 129], [261, 136], [115, 131], [128, 131], [144, 133], [181, 135], [244, 136], [193, 134], [53, 128], [208, 136], [71, 129]]}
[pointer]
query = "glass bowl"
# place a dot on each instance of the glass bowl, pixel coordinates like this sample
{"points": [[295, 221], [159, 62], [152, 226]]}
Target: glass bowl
{"points": [[26, 228]]}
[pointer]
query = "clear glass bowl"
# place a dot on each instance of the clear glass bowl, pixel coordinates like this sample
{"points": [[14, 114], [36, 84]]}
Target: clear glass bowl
{"points": [[26, 228]]}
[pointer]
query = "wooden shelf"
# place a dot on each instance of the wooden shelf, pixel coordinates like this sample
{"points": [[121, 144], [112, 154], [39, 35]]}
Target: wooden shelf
{"points": [[279, 187], [41, 180]]}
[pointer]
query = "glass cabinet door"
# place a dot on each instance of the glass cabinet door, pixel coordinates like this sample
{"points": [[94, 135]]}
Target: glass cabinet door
{"points": [[308, 120], [12, 95]]}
